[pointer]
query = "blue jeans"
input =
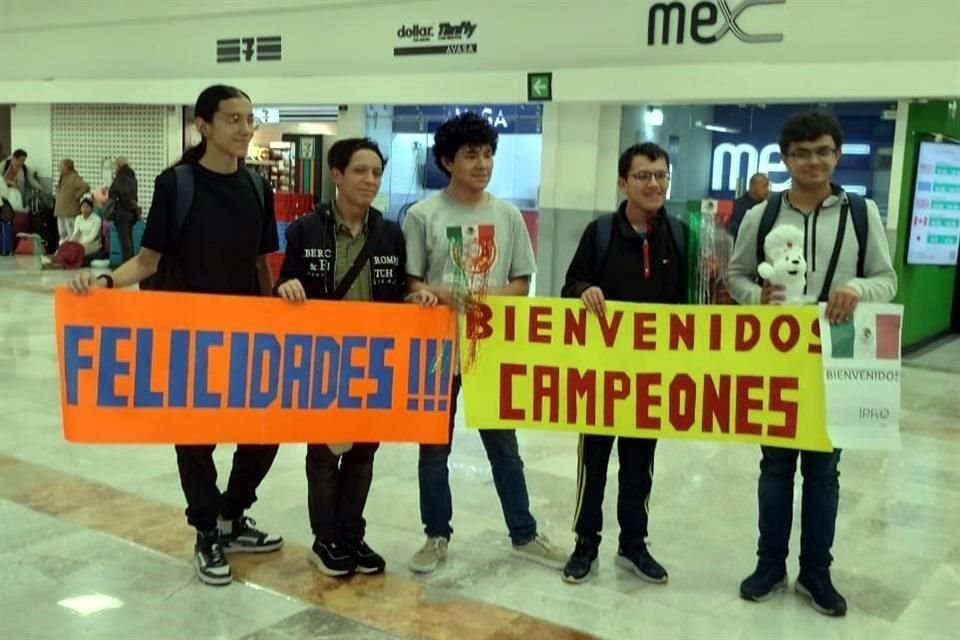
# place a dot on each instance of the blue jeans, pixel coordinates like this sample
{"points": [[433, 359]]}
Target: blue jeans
{"points": [[821, 497], [436, 503]]}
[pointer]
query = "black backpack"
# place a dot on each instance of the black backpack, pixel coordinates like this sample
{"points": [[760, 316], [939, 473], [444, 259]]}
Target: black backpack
{"points": [[185, 181], [855, 205]]}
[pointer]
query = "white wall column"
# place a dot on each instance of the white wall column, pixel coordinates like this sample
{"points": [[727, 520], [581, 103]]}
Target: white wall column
{"points": [[581, 146], [351, 123], [30, 130]]}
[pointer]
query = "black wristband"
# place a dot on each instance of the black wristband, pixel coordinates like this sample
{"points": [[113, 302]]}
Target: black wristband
{"points": [[108, 278]]}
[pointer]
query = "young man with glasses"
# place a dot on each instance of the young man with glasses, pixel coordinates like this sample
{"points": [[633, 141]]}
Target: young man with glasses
{"points": [[216, 245], [633, 255], [842, 271]]}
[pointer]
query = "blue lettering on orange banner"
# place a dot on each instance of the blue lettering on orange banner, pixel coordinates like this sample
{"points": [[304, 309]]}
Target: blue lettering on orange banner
{"points": [[144, 397], [326, 362], [73, 362], [299, 371], [297, 363], [110, 367]]}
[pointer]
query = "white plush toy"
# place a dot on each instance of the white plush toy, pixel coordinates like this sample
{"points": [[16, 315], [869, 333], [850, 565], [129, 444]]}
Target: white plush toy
{"points": [[785, 263]]}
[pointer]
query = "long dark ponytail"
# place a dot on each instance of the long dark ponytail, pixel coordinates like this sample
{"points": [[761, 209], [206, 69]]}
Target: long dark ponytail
{"points": [[207, 105]]}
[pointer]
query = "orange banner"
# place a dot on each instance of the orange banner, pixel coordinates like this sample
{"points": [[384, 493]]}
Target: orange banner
{"points": [[148, 367]]}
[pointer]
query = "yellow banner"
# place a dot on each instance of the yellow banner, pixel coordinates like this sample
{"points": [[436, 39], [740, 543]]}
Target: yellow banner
{"points": [[721, 373]]}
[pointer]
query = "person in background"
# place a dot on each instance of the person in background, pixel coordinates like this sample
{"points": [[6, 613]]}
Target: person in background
{"points": [[70, 188], [462, 243], [810, 144], [16, 174], [123, 191], [642, 262], [12, 195], [345, 250], [220, 249], [84, 243], [757, 192]]}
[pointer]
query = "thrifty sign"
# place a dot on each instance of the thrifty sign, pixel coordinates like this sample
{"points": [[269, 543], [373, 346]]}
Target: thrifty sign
{"points": [[737, 374], [147, 367]]}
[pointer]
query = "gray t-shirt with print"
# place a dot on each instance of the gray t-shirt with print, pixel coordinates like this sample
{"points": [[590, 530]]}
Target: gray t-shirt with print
{"points": [[467, 248]]}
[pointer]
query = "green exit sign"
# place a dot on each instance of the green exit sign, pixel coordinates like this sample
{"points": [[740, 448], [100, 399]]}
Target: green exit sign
{"points": [[539, 87]]}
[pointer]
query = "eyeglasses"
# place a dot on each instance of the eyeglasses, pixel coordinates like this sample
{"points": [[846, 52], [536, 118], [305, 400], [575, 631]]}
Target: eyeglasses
{"points": [[237, 120], [644, 177], [805, 155]]}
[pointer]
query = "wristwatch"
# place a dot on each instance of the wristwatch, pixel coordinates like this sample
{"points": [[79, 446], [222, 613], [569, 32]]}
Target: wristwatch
{"points": [[106, 278]]}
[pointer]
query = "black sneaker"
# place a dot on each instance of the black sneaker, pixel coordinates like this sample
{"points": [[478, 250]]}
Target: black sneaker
{"points": [[581, 563], [637, 559], [210, 561], [367, 560], [242, 536], [766, 579], [333, 559], [817, 586]]}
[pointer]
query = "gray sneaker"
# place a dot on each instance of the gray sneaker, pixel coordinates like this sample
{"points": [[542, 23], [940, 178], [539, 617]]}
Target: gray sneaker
{"points": [[542, 551], [430, 555]]}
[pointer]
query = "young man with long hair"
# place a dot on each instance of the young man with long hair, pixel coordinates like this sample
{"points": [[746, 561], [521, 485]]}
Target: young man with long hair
{"points": [[218, 246]]}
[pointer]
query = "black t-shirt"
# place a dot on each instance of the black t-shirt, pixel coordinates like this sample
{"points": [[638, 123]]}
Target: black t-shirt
{"points": [[223, 234]]}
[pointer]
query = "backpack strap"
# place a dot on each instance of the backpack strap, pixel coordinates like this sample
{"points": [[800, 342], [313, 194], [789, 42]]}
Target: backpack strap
{"points": [[770, 213], [185, 189], [858, 213], [678, 234], [835, 256], [603, 239]]}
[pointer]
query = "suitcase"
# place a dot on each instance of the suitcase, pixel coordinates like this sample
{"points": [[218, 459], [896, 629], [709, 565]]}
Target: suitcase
{"points": [[6, 237], [44, 224]]}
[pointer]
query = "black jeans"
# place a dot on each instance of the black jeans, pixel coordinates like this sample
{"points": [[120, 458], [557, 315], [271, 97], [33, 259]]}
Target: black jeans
{"points": [[821, 498], [337, 490], [198, 477], [636, 483], [436, 502], [124, 224]]}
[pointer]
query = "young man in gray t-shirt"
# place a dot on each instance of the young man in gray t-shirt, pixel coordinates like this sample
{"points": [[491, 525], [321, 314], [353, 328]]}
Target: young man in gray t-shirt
{"points": [[461, 242]]}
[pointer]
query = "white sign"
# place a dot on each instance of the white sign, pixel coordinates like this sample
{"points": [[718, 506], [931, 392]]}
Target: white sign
{"points": [[861, 370], [935, 223], [728, 160], [267, 115]]}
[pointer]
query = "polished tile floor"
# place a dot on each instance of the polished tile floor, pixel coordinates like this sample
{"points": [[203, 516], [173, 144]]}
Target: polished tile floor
{"points": [[95, 545]]}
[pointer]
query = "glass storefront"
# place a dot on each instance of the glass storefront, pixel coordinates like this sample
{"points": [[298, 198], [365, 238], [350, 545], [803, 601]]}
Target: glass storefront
{"points": [[715, 149], [405, 133]]}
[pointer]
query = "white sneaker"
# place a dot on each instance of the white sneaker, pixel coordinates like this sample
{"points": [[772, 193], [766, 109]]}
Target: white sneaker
{"points": [[541, 551], [430, 555]]}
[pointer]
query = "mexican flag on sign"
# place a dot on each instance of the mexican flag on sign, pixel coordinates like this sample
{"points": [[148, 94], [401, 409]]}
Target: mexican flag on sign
{"points": [[871, 337]]}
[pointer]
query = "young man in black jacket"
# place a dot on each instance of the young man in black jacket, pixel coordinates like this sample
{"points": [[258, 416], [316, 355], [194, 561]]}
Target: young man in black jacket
{"points": [[345, 250], [634, 255]]}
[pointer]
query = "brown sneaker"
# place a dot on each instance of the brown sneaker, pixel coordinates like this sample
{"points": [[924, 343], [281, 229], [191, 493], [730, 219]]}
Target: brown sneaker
{"points": [[430, 555], [542, 551]]}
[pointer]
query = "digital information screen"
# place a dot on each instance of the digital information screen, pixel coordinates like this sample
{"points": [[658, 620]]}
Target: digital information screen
{"points": [[935, 223]]}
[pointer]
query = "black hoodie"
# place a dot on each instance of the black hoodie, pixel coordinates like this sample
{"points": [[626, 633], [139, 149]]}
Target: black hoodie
{"points": [[631, 272], [312, 253]]}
